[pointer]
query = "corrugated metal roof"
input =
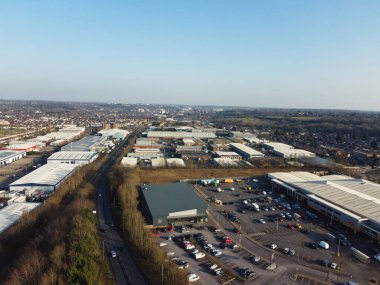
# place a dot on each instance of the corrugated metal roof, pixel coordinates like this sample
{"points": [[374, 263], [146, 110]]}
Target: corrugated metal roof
{"points": [[84, 144], [48, 174], [360, 196], [246, 149], [5, 154], [72, 155], [11, 213]]}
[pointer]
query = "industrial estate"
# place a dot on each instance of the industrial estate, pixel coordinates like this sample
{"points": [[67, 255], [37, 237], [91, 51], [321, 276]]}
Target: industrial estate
{"points": [[209, 204]]}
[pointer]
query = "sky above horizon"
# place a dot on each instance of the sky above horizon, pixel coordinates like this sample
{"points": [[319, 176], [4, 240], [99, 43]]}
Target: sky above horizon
{"points": [[254, 53]]}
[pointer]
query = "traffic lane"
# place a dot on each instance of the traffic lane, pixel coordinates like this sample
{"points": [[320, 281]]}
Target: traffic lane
{"points": [[115, 264]]}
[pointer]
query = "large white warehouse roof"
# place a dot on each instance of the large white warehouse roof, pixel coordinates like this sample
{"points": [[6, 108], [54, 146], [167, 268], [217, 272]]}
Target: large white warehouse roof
{"points": [[246, 149], [48, 174], [73, 155], [359, 196], [11, 213]]}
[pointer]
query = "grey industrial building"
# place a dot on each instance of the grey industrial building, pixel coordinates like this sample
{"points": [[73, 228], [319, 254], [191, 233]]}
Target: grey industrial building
{"points": [[73, 157], [47, 178], [87, 143], [246, 151], [168, 204], [8, 156], [352, 202], [181, 134]]}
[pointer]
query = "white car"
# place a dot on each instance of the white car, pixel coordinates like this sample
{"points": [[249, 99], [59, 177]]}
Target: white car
{"points": [[262, 221], [324, 244], [170, 253], [273, 246], [195, 251], [193, 277], [113, 253], [377, 257], [189, 247], [333, 265], [214, 266], [163, 244]]}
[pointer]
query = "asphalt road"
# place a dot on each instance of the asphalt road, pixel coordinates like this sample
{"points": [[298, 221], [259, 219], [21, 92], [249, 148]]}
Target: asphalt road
{"points": [[123, 268]]}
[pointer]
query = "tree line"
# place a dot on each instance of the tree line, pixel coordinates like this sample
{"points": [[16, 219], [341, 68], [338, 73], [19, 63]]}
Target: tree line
{"points": [[142, 245], [57, 243]]}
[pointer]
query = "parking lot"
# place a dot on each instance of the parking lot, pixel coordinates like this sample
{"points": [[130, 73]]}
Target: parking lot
{"points": [[290, 225]]}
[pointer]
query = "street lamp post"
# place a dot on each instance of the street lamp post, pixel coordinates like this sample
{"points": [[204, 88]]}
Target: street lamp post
{"points": [[338, 253]]}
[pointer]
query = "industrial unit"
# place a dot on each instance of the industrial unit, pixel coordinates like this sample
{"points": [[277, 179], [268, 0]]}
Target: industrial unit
{"points": [[21, 146], [73, 157], [168, 204], [228, 154], [11, 213], [47, 178], [7, 156], [180, 135], [246, 151], [287, 151], [129, 162], [117, 134], [87, 143], [353, 202]]}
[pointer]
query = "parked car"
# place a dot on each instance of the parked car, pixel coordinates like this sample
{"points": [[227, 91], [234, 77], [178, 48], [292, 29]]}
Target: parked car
{"points": [[325, 262], [163, 244], [192, 277], [199, 255], [273, 246], [333, 265], [286, 250], [324, 244], [246, 273], [256, 259], [182, 264]]}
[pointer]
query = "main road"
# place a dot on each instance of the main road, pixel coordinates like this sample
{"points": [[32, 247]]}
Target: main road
{"points": [[123, 268]]}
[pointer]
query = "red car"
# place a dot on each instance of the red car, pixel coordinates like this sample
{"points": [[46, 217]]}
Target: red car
{"points": [[228, 240], [290, 226]]}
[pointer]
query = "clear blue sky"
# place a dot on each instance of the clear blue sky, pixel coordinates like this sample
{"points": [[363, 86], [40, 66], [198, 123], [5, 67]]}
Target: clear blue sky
{"points": [[312, 54]]}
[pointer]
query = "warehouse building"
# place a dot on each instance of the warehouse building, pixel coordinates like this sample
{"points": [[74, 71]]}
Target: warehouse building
{"points": [[145, 155], [13, 212], [228, 154], [352, 202], [88, 143], [158, 162], [73, 157], [47, 178], [7, 156], [287, 151], [21, 146], [170, 204], [225, 162], [129, 162], [246, 151], [116, 134], [181, 135], [175, 162]]}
